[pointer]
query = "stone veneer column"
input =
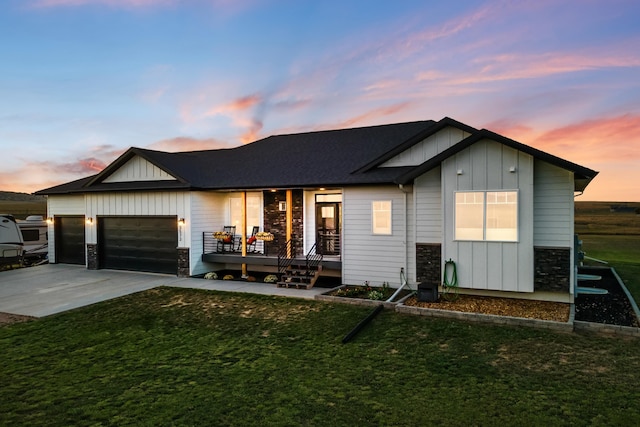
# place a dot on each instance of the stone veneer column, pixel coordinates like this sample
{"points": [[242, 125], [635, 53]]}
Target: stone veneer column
{"points": [[92, 256], [428, 262], [275, 221], [183, 262], [552, 269]]}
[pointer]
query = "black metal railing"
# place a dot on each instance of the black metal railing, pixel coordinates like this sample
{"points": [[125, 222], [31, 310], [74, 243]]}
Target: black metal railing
{"points": [[328, 243], [314, 259], [286, 255]]}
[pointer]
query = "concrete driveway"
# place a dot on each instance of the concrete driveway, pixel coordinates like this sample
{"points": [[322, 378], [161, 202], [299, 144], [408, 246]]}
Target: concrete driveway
{"points": [[54, 288]]}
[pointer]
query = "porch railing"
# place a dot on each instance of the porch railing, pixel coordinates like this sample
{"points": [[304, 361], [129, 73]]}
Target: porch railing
{"points": [[287, 256], [314, 259], [328, 243]]}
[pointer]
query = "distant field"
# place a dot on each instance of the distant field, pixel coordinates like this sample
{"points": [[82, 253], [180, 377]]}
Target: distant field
{"points": [[21, 210], [598, 218]]}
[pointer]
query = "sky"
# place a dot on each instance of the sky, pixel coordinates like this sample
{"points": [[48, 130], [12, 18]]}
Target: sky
{"points": [[83, 80]]}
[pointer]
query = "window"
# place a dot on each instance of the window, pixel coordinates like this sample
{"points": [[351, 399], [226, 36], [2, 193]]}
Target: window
{"points": [[253, 213], [486, 216], [381, 217]]}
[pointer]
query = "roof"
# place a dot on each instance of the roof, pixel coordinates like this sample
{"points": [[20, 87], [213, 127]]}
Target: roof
{"points": [[313, 159]]}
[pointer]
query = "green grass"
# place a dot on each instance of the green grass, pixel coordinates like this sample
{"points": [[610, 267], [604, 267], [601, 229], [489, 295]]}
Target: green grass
{"points": [[621, 252], [189, 357]]}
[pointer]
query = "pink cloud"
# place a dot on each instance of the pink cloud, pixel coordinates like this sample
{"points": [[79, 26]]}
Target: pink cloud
{"points": [[596, 140], [240, 104], [183, 143], [376, 113]]}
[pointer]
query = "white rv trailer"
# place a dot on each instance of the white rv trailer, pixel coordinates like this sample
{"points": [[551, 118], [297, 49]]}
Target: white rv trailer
{"points": [[34, 231], [11, 243]]}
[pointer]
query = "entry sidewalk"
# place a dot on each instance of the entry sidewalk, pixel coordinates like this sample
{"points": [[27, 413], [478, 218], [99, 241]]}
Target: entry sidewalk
{"points": [[54, 288]]}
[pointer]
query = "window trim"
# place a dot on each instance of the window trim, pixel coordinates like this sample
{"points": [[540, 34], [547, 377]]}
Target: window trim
{"points": [[484, 216], [375, 212]]}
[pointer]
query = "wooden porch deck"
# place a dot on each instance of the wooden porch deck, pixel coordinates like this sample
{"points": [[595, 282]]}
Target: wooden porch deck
{"points": [[258, 259]]}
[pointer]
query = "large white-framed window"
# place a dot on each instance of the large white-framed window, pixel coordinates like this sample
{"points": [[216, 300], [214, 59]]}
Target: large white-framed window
{"points": [[486, 216], [381, 217], [254, 212]]}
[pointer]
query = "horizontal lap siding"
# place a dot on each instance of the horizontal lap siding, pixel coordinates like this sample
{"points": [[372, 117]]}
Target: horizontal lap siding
{"points": [[368, 257], [208, 211], [553, 199], [428, 191]]}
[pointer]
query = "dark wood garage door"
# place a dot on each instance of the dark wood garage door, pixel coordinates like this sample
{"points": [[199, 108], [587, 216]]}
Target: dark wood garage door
{"points": [[69, 240], [138, 243]]}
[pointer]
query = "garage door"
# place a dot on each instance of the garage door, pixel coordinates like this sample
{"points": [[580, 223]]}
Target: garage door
{"points": [[138, 243], [69, 240]]}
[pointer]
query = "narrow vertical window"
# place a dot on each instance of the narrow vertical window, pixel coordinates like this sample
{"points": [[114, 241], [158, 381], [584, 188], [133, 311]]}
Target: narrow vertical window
{"points": [[469, 216], [502, 216], [381, 217]]}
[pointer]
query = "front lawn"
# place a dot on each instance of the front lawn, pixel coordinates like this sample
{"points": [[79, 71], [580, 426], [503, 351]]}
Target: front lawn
{"points": [[189, 357]]}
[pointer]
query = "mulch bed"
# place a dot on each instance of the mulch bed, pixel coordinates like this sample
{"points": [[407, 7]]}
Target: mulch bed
{"points": [[528, 309], [613, 308]]}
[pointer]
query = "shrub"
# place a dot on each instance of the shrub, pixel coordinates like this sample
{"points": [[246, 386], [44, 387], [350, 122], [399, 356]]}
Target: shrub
{"points": [[271, 278]]}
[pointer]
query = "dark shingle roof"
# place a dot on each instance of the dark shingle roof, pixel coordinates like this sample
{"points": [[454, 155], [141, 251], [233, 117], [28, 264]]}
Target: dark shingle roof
{"points": [[314, 159]]}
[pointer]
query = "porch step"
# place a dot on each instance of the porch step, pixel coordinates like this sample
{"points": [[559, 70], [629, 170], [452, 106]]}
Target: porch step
{"points": [[299, 277]]}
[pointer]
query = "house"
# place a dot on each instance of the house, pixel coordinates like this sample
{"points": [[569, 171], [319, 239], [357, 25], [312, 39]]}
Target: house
{"points": [[373, 201]]}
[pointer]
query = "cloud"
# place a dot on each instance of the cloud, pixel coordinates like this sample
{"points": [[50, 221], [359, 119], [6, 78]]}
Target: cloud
{"points": [[183, 143], [596, 141], [239, 104], [127, 4]]}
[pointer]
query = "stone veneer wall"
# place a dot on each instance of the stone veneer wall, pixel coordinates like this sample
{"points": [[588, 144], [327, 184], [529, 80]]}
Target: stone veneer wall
{"points": [[183, 262], [92, 256], [428, 262], [552, 269], [275, 221]]}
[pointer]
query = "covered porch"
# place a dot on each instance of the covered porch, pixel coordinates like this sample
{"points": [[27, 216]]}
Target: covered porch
{"points": [[258, 227]]}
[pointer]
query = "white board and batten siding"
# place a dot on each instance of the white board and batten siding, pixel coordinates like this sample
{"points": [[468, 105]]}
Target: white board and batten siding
{"points": [[369, 257], [61, 206], [161, 203], [428, 148], [139, 169], [482, 265]]}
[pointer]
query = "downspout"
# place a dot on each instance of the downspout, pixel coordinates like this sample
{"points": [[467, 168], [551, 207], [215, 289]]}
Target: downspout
{"points": [[406, 228]]}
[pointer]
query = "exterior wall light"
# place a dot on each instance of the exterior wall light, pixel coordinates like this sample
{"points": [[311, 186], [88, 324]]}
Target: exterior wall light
{"points": [[460, 172], [50, 220], [512, 169], [181, 222], [90, 221]]}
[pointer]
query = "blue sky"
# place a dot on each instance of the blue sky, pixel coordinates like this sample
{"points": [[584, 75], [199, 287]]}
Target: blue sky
{"points": [[83, 80]]}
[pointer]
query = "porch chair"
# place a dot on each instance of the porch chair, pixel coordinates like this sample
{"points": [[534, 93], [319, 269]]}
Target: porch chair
{"points": [[226, 245], [251, 240]]}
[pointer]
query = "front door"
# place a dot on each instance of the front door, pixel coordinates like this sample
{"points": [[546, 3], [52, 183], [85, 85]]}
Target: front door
{"points": [[328, 228]]}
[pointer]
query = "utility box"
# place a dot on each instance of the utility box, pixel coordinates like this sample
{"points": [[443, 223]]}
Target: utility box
{"points": [[428, 292]]}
